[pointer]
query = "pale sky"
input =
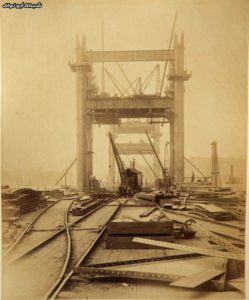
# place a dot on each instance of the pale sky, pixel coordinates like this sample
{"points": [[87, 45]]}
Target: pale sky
{"points": [[38, 87]]}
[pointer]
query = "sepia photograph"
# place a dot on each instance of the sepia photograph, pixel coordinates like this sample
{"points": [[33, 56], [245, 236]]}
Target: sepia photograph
{"points": [[124, 130]]}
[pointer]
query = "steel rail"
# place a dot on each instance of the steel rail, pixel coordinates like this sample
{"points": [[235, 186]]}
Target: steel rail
{"points": [[27, 229], [81, 259], [68, 254], [42, 243]]}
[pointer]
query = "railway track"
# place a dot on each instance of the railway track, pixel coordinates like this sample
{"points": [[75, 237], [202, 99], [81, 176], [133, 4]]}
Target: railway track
{"points": [[67, 258], [39, 228], [27, 229], [40, 271], [63, 280]]}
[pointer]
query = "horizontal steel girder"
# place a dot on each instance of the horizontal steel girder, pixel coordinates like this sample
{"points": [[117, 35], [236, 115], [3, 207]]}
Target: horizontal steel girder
{"points": [[135, 148], [136, 128], [113, 116], [139, 102], [131, 55]]}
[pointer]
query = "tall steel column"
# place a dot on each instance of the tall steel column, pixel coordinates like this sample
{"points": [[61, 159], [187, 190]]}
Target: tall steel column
{"points": [[172, 151], [84, 122], [215, 165], [178, 75]]}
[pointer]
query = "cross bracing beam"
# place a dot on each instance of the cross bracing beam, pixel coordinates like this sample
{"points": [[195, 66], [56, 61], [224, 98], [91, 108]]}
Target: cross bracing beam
{"points": [[126, 56]]}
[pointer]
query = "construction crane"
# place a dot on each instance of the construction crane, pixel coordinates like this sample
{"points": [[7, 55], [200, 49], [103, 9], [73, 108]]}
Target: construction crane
{"points": [[167, 178], [131, 179]]}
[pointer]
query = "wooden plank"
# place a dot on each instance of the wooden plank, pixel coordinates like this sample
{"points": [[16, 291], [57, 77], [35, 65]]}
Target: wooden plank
{"points": [[211, 208], [219, 283], [147, 212], [125, 242], [238, 284], [198, 278], [204, 251], [140, 228]]}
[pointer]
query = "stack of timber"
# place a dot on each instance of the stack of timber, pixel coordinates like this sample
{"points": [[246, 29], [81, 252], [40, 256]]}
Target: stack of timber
{"points": [[215, 212], [21, 201], [86, 205]]}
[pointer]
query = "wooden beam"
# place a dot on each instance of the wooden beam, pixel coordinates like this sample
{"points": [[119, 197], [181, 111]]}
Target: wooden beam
{"points": [[238, 284]]}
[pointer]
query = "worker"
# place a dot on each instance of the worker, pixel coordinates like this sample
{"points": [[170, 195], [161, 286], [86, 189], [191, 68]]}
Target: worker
{"points": [[120, 190], [129, 191], [193, 177]]}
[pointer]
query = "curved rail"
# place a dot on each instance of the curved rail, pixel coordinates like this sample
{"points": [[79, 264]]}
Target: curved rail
{"points": [[57, 289], [27, 229], [68, 254]]}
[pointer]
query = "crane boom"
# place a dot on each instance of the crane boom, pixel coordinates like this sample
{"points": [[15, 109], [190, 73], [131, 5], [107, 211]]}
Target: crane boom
{"points": [[157, 157], [131, 179], [119, 162]]}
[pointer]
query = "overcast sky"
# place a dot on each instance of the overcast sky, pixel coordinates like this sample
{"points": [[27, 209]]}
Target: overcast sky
{"points": [[38, 88]]}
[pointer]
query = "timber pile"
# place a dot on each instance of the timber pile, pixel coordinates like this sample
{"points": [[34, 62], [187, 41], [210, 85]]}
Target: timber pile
{"points": [[21, 201]]}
